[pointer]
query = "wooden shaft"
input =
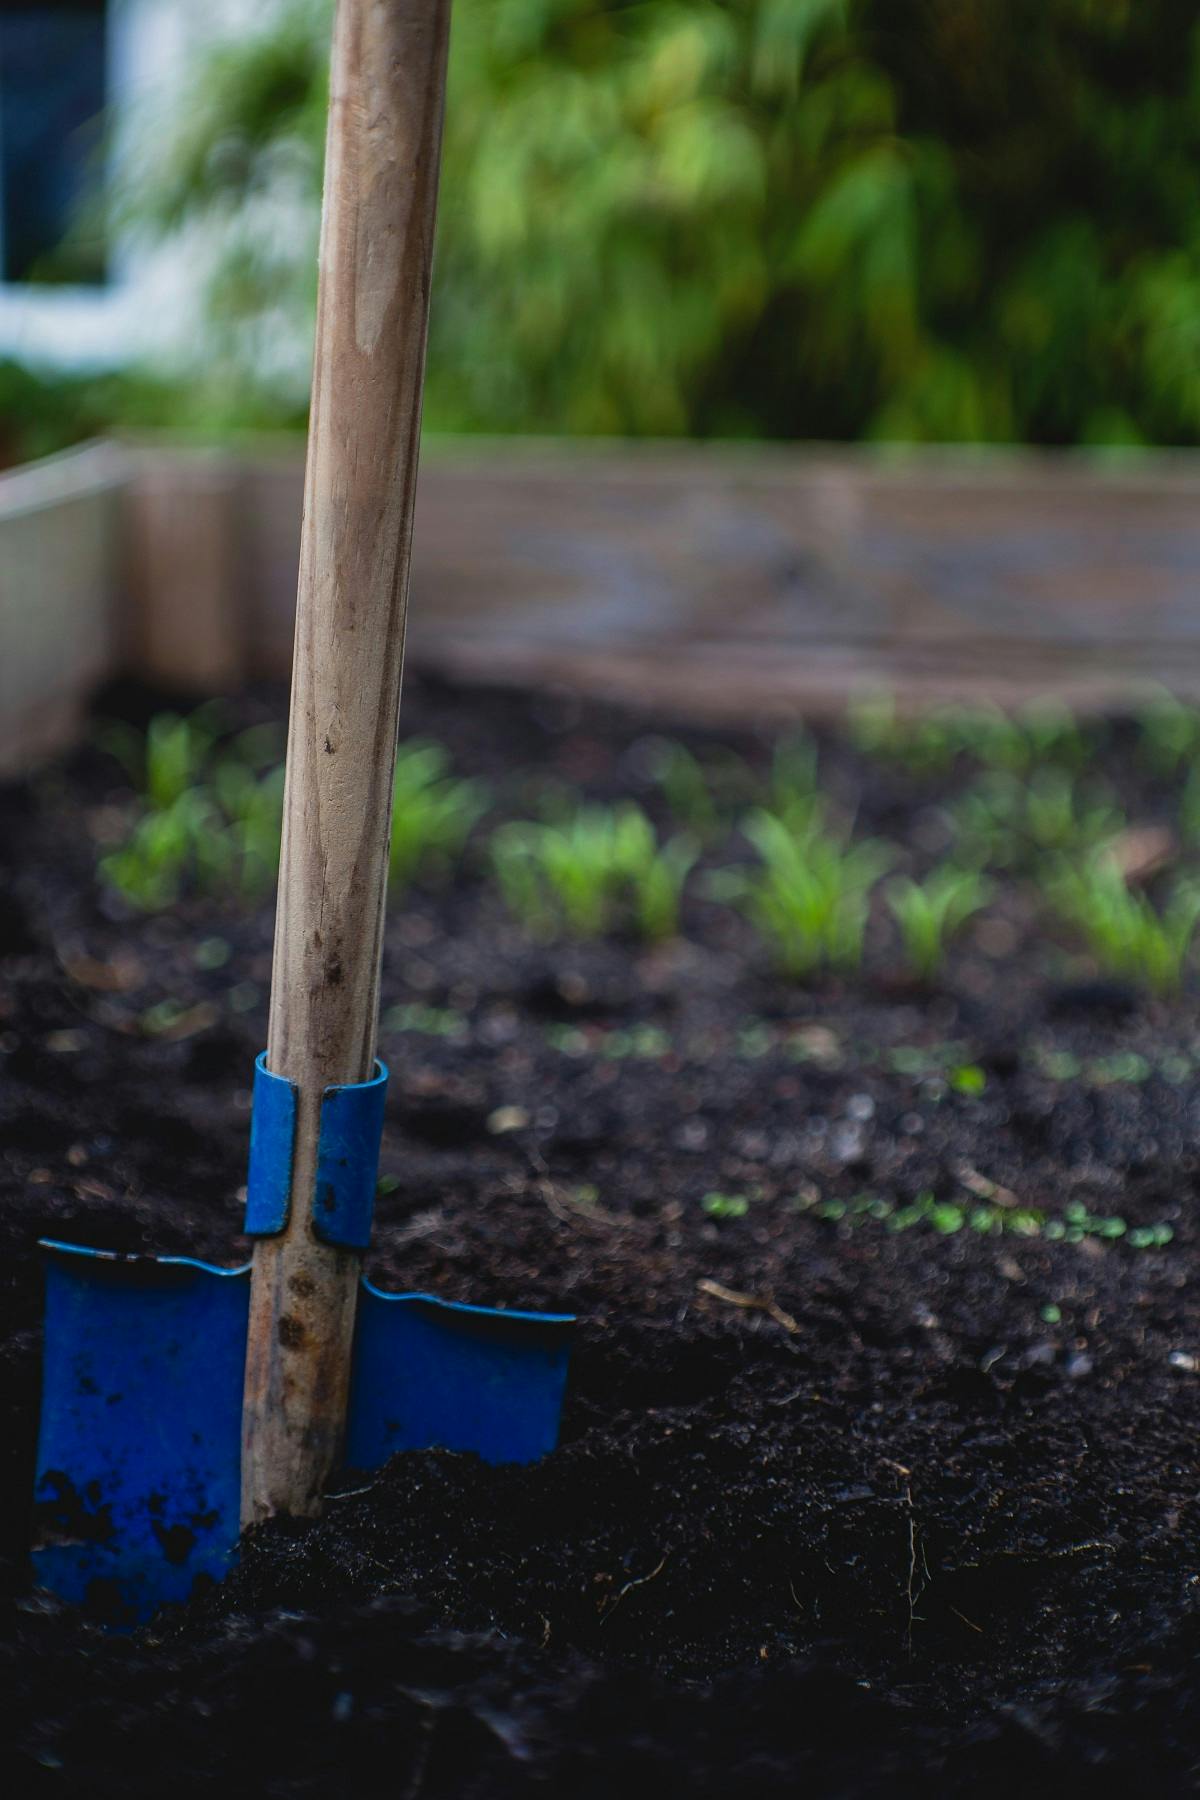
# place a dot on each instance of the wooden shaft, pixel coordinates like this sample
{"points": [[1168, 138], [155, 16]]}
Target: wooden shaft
{"points": [[385, 119]]}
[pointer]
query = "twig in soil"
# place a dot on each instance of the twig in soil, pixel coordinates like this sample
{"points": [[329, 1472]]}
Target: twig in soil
{"points": [[353, 1493], [639, 1581], [982, 1188], [569, 1210], [966, 1621], [912, 1591], [1031, 1555], [750, 1302], [422, 1226]]}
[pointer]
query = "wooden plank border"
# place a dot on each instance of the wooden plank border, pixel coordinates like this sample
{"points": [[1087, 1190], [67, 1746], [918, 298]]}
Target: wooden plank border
{"points": [[724, 580], [62, 621]]}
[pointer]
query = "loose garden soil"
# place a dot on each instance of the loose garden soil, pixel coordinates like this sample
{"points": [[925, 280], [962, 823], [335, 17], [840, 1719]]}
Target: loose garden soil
{"points": [[839, 1508]]}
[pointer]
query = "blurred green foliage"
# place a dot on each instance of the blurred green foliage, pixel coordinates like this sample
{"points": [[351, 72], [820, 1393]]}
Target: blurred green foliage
{"points": [[894, 219]]}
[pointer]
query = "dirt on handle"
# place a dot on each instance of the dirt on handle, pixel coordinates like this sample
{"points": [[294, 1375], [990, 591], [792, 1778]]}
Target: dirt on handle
{"points": [[838, 1506]]}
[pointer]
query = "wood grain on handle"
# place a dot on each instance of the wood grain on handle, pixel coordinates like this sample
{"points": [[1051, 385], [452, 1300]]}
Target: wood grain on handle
{"points": [[385, 119]]}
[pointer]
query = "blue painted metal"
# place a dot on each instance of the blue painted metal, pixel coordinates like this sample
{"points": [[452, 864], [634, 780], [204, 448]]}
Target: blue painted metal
{"points": [[140, 1445], [351, 1130], [139, 1453], [430, 1372], [348, 1160], [272, 1138]]}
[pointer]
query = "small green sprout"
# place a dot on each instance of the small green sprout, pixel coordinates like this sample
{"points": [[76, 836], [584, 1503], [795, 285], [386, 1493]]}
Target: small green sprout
{"points": [[1004, 821], [1041, 733], [163, 847], [426, 1021], [923, 744], [1060, 1065], [930, 743], [931, 913], [432, 814], [169, 758], [687, 790], [986, 1218], [793, 793], [646, 1043], [810, 895], [1189, 809], [252, 807], [1124, 932], [1168, 734], [601, 867], [211, 811], [725, 1206]]}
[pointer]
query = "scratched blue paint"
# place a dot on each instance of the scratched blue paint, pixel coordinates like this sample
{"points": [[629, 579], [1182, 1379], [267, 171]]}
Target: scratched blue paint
{"points": [[139, 1451], [140, 1446]]}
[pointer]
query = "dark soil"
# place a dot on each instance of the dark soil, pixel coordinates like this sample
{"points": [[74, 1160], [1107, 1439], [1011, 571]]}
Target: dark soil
{"points": [[873, 1511]]}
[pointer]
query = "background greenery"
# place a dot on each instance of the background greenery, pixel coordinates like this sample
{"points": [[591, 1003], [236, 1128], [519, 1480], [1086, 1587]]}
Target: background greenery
{"points": [[945, 220]]}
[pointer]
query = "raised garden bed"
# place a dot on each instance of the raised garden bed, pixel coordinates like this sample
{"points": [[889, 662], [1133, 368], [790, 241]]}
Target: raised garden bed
{"points": [[878, 1469]]}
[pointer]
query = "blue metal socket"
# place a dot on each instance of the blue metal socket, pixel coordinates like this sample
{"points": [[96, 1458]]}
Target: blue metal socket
{"points": [[351, 1130]]}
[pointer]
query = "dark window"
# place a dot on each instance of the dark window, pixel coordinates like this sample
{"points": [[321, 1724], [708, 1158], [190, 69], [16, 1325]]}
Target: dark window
{"points": [[53, 82]]}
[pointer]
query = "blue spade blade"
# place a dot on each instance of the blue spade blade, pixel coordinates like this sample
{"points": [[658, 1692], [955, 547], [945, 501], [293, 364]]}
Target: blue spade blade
{"points": [[137, 1494]]}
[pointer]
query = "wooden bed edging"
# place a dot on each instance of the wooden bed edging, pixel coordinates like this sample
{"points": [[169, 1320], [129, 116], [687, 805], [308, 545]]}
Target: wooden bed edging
{"points": [[734, 581]]}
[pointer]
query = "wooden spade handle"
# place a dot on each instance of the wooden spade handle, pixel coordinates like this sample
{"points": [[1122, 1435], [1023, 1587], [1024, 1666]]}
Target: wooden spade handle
{"points": [[385, 121]]}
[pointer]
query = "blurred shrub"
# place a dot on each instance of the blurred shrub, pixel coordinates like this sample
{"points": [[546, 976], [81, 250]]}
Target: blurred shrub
{"points": [[911, 219]]}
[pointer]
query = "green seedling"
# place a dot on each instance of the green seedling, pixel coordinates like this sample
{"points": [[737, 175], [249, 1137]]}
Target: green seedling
{"points": [[930, 743], [810, 895], [252, 809], [640, 1042], [1189, 809], [932, 912], [211, 812], [163, 847], [989, 1219], [1041, 734], [687, 790], [657, 879], [426, 1021], [1120, 1068], [601, 868], [1124, 932], [204, 823], [921, 745], [432, 814], [793, 794], [169, 758], [725, 1206], [1003, 821], [1168, 734]]}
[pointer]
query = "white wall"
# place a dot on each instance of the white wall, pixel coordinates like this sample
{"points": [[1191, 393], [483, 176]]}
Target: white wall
{"points": [[147, 304]]}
